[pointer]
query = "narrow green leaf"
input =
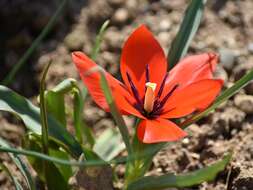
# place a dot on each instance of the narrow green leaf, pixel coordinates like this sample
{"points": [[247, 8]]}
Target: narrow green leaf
{"points": [[109, 144], [223, 97], [43, 111], [81, 128], [186, 32], [66, 171], [94, 160], [21, 166], [14, 180], [30, 115], [99, 39], [10, 77], [115, 113], [55, 180], [179, 181], [56, 106], [44, 169], [65, 86]]}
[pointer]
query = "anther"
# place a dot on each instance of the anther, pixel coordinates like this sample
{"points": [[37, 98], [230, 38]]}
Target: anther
{"points": [[149, 96]]}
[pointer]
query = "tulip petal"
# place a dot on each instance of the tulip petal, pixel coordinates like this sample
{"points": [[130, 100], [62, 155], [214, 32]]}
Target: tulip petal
{"points": [[194, 97], [142, 49], [159, 130], [126, 104], [92, 82], [192, 69]]}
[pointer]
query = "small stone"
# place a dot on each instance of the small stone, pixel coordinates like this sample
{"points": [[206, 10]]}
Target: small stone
{"points": [[221, 73], [117, 2], [249, 88], [244, 102], [240, 70], [121, 16], [227, 59], [74, 40], [164, 25], [250, 47]]}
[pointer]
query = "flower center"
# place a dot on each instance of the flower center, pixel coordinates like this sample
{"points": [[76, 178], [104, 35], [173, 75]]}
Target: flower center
{"points": [[149, 97]]}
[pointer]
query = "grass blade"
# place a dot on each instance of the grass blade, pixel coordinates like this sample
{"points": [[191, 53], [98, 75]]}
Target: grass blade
{"points": [[99, 38], [81, 128], [14, 180], [186, 32], [115, 113], [186, 180], [30, 115], [21, 166], [43, 111], [223, 97], [10, 77], [55, 160]]}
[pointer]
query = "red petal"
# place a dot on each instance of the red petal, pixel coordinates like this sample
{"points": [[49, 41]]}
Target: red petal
{"points": [[192, 69], [159, 130], [196, 96], [92, 82], [126, 104], [140, 49]]}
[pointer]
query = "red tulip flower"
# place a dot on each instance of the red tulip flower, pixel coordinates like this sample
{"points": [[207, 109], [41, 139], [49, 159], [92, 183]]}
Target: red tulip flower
{"points": [[149, 92]]}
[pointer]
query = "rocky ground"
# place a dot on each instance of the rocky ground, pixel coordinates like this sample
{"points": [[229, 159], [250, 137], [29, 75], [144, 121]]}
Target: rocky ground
{"points": [[227, 28]]}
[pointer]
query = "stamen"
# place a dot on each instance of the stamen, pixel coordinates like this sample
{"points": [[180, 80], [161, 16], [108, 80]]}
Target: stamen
{"points": [[134, 90], [147, 73], [164, 100], [162, 86], [149, 97]]}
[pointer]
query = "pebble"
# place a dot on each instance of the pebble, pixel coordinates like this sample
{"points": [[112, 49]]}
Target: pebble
{"points": [[250, 47], [240, 70], [249, 88], [221, 73], [244, 103], [164, 25], [117, 2], [74, 40], [120, 16], [227, 59]]}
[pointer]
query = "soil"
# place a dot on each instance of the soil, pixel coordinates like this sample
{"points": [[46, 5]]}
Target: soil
{"points": [[227, 28]]}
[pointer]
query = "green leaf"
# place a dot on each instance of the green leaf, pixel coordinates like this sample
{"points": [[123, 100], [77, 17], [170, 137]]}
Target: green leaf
{"points": [[43, 111], [21, 165], [92, 159], [186, 32], [56, 106], [65, 170], [14, 180], [55, 180], [30, 115], [226, 94], [115, 113], [109, 144], [48, 172], [179, 181], [99, 38], [81, 128]]}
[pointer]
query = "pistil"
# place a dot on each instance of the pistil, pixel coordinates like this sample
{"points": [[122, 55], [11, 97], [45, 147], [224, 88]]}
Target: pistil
{"points": [[149, 97]]}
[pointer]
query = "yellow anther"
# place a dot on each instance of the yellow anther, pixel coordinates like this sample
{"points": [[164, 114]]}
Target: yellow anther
{"points": [[149, 96]]}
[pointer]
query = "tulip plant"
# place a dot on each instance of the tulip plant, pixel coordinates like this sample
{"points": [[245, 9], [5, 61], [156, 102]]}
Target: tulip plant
{"points": [[164, 95]]}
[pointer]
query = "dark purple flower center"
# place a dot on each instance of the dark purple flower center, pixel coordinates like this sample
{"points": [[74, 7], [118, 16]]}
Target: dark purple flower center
{"points": [[159, 102]]}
